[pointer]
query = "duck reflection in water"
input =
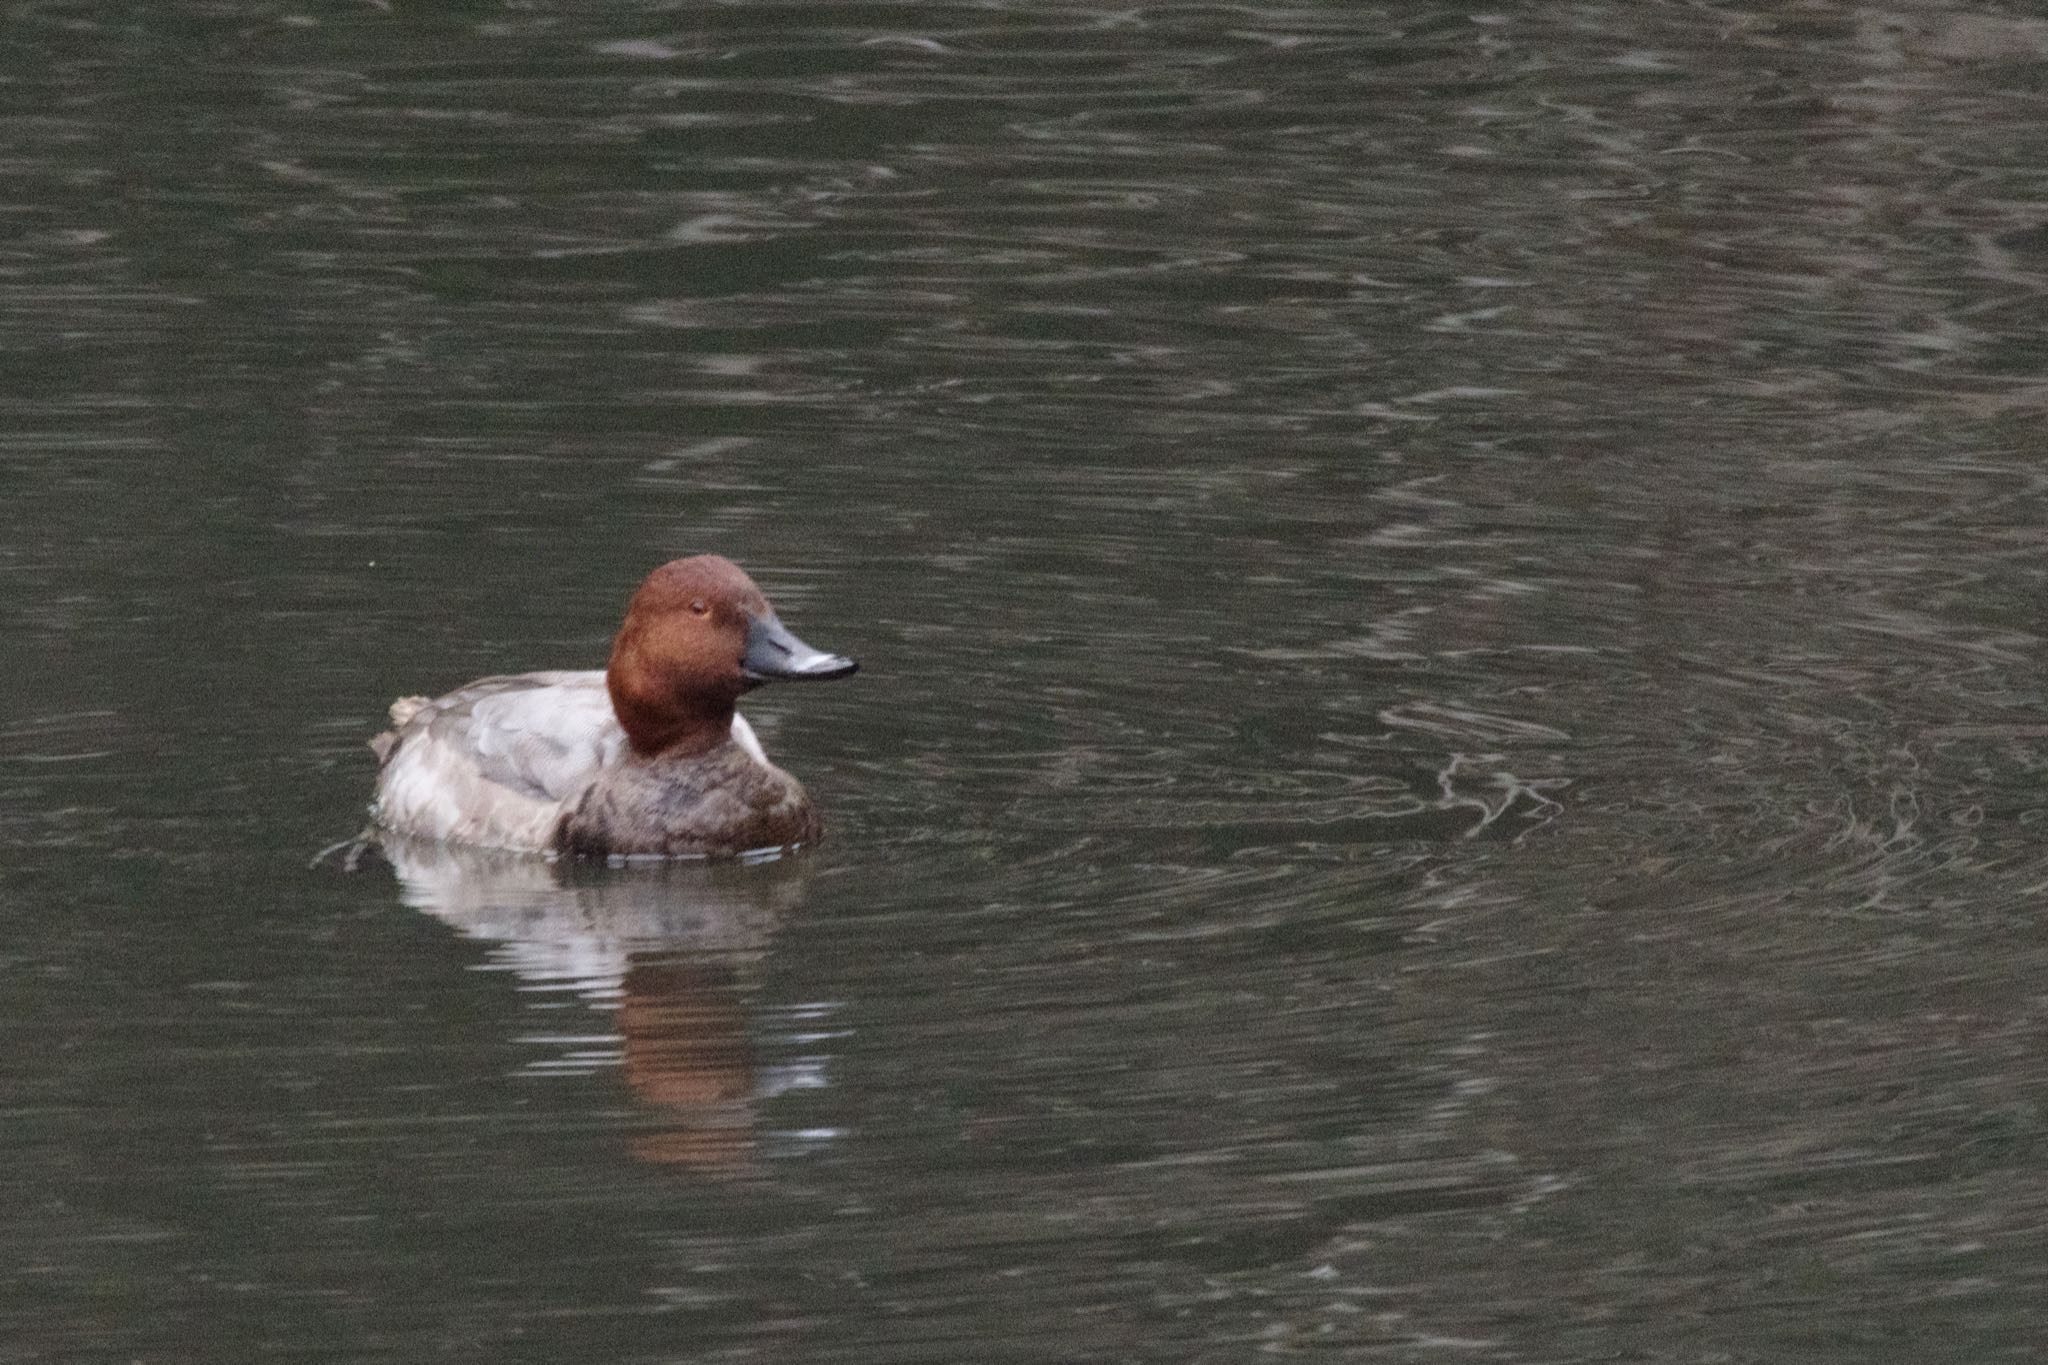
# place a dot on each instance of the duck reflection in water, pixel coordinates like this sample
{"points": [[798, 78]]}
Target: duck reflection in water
{"points": [[670, 947]]}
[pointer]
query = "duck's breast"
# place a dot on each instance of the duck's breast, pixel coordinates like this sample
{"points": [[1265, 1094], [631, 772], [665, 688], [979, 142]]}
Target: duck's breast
{"points": [[728, 800]]}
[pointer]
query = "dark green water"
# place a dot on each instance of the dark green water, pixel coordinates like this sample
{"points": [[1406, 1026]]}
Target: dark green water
{"points": [[1449, 757]]}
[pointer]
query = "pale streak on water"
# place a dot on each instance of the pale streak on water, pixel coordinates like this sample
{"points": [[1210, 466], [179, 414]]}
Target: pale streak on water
{"points": [[1450, 751]]}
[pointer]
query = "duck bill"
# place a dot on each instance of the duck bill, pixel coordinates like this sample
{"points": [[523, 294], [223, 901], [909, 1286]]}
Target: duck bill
{"points": [[773, 653]]}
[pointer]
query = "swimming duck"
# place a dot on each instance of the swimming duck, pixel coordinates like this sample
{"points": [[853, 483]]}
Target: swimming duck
{"points": [[646, 756]]}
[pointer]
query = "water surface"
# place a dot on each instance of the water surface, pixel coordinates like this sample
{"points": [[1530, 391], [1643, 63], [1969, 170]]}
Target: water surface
{"points": [[1448, 760]]}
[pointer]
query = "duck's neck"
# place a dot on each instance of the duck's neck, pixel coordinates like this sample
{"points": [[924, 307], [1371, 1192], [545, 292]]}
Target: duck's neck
{"points": [[669, 727]]}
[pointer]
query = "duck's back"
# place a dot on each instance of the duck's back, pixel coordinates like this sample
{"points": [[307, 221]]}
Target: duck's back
{"points": [[498, 762]]}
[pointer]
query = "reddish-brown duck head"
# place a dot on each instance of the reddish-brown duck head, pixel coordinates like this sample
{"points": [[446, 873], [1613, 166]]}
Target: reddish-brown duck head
{"points": [[698, 635]]}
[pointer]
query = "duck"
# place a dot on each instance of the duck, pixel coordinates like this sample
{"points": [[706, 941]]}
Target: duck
{"points": [[648, 756]]}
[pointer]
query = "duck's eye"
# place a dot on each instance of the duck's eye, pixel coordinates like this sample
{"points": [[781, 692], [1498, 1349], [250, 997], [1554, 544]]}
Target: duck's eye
{"points": [[700, 607]]}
